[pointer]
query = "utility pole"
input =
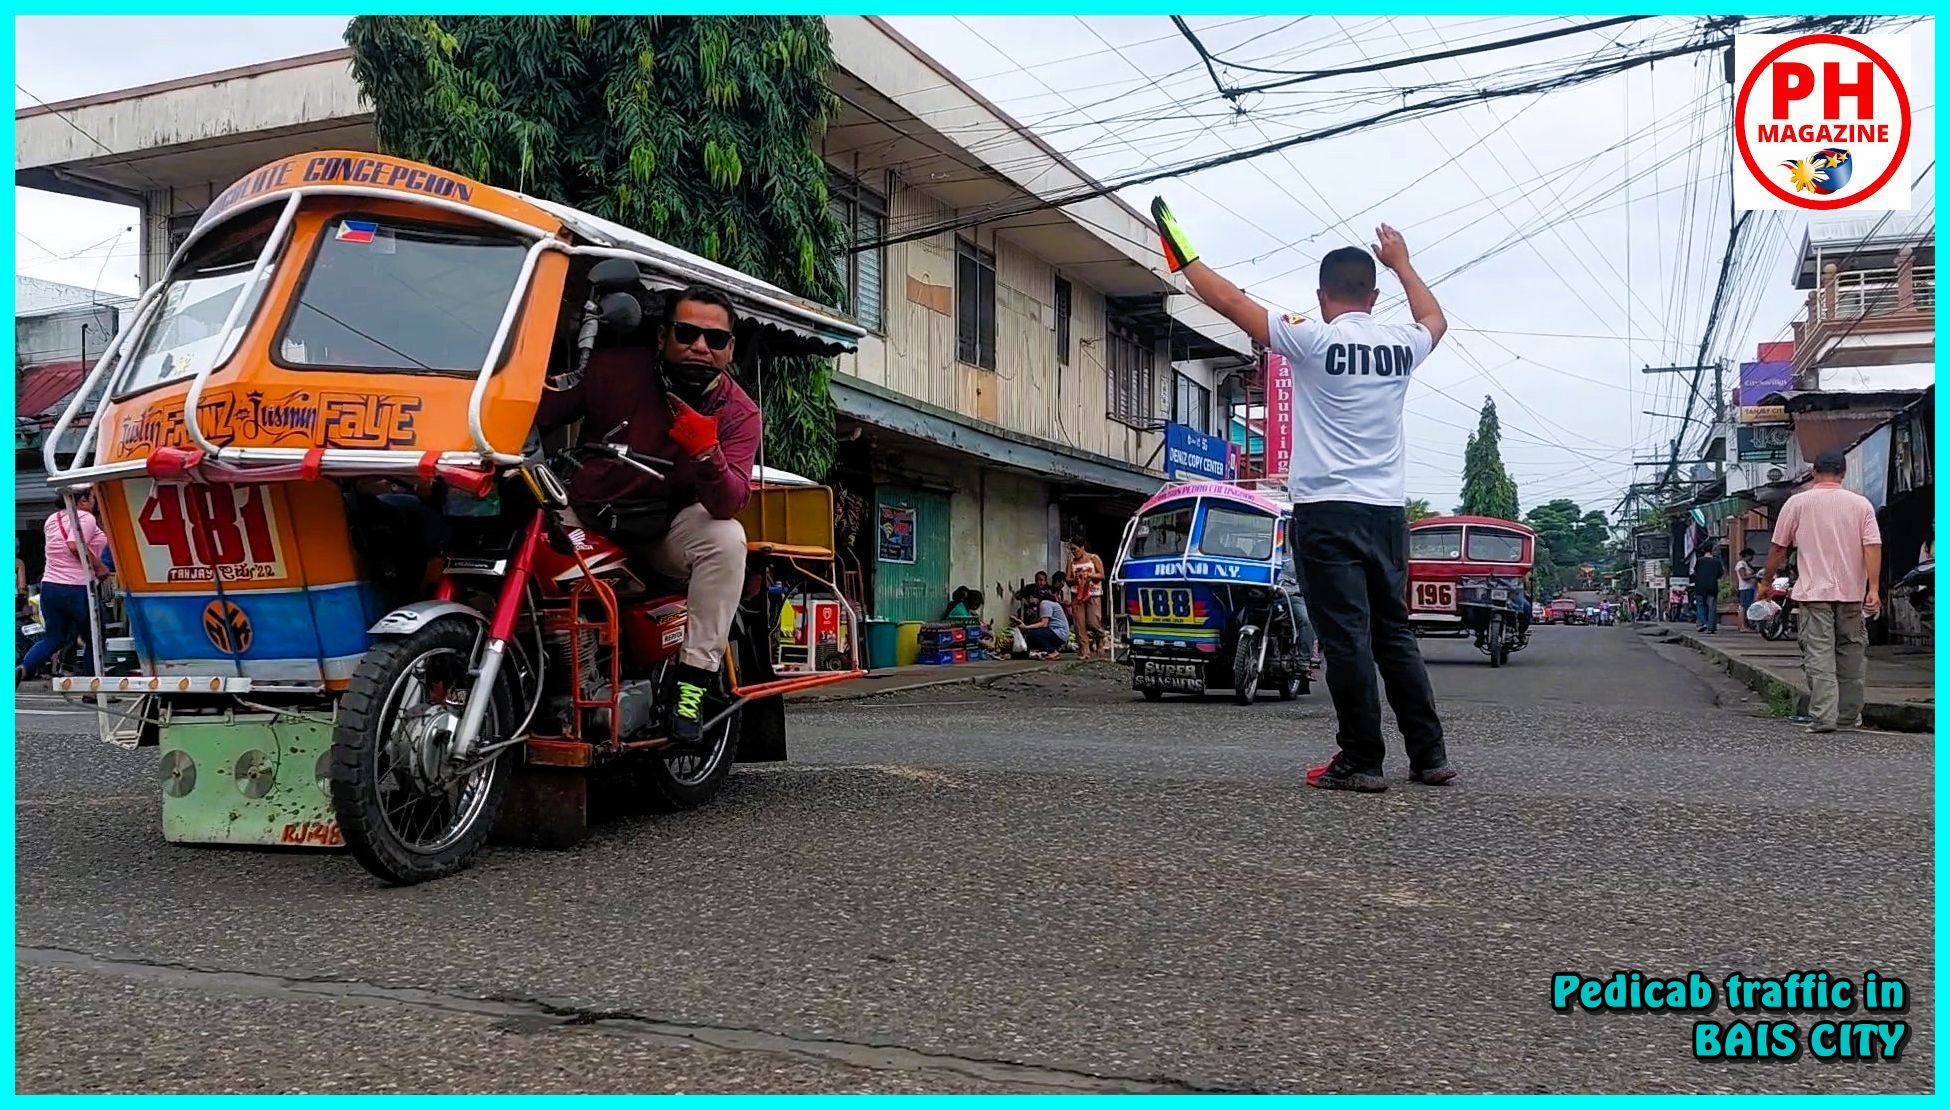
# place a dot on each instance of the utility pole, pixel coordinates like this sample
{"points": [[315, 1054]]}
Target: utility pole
{"points": [[1719, 370]]}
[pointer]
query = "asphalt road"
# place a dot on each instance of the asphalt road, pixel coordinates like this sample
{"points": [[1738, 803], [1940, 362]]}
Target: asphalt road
{"points": [[1046, 885]]}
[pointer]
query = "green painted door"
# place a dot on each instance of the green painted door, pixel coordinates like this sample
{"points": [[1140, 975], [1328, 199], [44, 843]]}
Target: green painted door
{"points": [[910, 571]]}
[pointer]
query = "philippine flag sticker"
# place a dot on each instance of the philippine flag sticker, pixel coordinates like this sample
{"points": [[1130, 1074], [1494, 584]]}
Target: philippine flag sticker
{"points": [[357, 231]]}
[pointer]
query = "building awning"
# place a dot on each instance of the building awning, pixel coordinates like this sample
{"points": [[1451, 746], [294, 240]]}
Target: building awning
{"points": [[883, 408], [1723, 509], [1151, 316], [33, 497], [1823, 400]]}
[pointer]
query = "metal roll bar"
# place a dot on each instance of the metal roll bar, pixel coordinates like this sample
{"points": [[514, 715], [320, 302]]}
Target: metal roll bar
{"points": [[233, 326], [193, 416]]}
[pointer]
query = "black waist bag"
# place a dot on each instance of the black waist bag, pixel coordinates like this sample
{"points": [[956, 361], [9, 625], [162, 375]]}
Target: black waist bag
{"points": [[632, 523]]}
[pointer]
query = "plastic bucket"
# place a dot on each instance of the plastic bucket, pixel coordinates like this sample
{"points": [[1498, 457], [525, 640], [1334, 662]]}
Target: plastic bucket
{"points": [[880, 637], [907, 647]]}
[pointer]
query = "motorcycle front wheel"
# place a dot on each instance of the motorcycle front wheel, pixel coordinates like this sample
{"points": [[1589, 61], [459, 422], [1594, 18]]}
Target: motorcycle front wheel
{"points": [[1245, 668], [406, 813]]}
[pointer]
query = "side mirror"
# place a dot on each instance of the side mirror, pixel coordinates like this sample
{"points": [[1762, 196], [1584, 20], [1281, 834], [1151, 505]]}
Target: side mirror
{"points": [[615, 274], [620, 312]]}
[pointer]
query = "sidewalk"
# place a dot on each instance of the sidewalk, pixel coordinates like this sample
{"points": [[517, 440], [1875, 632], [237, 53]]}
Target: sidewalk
{"points": [[1901, 687], [889, 680]]}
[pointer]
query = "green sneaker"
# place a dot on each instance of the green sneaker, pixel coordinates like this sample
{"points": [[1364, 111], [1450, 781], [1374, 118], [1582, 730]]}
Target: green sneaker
{"points": [[687, 713]]}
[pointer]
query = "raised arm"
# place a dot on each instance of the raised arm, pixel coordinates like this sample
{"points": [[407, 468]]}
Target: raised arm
{"points": [[1393, 253], [1225, 298]]}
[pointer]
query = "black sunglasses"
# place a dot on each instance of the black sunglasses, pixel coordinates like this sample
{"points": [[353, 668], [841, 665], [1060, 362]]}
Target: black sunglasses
{"points": [[715, 338]]}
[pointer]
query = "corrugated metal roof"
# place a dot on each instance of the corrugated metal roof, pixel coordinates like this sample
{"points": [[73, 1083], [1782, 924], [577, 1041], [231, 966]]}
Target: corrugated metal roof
{"points": [[47, 387]]}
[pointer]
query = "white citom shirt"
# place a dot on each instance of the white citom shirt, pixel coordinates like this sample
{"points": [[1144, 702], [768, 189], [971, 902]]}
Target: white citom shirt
{"points": [[1350, 380]]}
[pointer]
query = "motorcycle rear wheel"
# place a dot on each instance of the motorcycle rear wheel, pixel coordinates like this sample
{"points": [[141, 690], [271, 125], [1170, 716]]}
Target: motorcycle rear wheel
{"points": [[690, 779], [400, 816]]}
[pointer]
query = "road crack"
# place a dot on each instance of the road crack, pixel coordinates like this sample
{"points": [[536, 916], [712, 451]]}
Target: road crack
{"points": [[541, 1015]]}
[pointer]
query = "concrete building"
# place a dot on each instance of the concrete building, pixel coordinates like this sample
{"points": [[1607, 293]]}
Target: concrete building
{"points": [[1870, 319], [1021, 373], [59, 332], [1857, 378]]}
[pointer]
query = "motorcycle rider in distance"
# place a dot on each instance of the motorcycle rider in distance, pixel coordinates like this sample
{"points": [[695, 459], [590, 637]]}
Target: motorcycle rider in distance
{"points": [[676, 401]]}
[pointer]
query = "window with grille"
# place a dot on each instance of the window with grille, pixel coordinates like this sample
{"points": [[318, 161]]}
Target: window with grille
{"points": [[974, 305], [1131, 365], [863, 213], [1062, 322], [1191, 404]]}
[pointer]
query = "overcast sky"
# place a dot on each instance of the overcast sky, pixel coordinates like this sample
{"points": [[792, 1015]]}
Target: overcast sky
{"points": [[1556, 326]]}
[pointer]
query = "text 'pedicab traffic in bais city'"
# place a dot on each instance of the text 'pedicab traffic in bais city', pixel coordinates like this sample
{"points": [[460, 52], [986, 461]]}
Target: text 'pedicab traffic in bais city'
{"points": [[1204, 595], [1470, 576], [363, 612]]}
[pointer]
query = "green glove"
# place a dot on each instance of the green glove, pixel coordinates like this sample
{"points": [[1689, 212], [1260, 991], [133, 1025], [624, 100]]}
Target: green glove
{"points": [[1178, 250]]}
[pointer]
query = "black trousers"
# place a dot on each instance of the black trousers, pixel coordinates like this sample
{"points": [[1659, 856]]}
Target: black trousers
{"points": [[1354, 558]]}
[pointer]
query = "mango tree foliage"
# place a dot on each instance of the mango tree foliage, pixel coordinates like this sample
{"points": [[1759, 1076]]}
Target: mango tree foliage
{"points": [[701, 131]]}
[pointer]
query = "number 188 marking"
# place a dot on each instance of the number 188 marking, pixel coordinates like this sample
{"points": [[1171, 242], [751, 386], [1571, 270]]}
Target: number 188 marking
{"points": [[1176, 604]]}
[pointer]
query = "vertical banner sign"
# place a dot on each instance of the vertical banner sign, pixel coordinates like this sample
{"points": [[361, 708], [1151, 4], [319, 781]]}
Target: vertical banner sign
{"points": [[897, 533], [1279, 415], [1822, 122]]}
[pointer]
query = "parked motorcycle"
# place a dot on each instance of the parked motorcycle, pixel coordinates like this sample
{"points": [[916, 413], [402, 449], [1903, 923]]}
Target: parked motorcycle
{"points": [[1784, 623], [27, 626], [1919, 586]]}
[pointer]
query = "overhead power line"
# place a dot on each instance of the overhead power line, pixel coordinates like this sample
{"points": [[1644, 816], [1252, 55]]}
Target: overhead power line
{"points": [[1297, 78], [1093, 190]]}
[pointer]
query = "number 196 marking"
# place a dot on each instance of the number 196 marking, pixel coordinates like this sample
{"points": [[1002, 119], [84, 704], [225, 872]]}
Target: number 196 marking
{"points": [[1435, 595]]}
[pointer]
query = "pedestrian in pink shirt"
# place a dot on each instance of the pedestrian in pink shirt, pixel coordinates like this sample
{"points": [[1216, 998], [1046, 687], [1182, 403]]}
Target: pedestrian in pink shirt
{"points": [[1834, 532], [64, 586]]}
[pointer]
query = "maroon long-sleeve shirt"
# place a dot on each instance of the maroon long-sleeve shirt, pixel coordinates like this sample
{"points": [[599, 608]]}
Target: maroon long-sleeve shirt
{"points": [[621, 399]]}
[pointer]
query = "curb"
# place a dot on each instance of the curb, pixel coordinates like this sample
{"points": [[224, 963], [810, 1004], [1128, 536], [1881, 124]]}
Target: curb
{"points": [[980, 681], [1887, 716]]}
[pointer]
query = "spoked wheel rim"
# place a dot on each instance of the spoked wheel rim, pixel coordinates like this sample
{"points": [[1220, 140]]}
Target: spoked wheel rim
{"points": [[693, 769], [424, 806]]}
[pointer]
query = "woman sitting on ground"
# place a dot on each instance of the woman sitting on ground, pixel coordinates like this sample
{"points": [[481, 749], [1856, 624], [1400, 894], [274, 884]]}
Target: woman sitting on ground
{"points": [[1049, 634]]}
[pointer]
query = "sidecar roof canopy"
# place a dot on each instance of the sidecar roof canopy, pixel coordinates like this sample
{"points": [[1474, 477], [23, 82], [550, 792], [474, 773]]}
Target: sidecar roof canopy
{"points": [[763, 302], [1222, 491], [791, 325]]}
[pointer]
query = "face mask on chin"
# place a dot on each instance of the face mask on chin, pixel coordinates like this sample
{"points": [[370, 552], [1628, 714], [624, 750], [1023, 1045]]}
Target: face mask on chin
{"points": [[689, 381]]}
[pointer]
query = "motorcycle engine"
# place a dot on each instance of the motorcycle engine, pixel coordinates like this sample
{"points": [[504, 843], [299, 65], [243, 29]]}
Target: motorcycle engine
{"points": [[637, 706]]}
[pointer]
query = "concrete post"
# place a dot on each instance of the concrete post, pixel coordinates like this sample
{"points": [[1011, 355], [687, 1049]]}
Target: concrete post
{"points": [[153, 223]]}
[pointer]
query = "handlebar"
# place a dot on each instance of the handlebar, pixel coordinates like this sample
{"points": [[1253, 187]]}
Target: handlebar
{"points": [[649, 464]]}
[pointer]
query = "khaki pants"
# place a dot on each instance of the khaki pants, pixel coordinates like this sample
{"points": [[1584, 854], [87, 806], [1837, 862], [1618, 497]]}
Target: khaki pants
{"points": [[711, 554], [1087, 621], [1834, 650]]}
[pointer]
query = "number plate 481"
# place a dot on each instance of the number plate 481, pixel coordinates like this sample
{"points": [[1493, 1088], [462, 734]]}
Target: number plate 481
{"points": [[193, 533]]}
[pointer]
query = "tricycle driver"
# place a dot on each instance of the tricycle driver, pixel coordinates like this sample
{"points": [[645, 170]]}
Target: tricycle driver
{"points": [[676, 401]]}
